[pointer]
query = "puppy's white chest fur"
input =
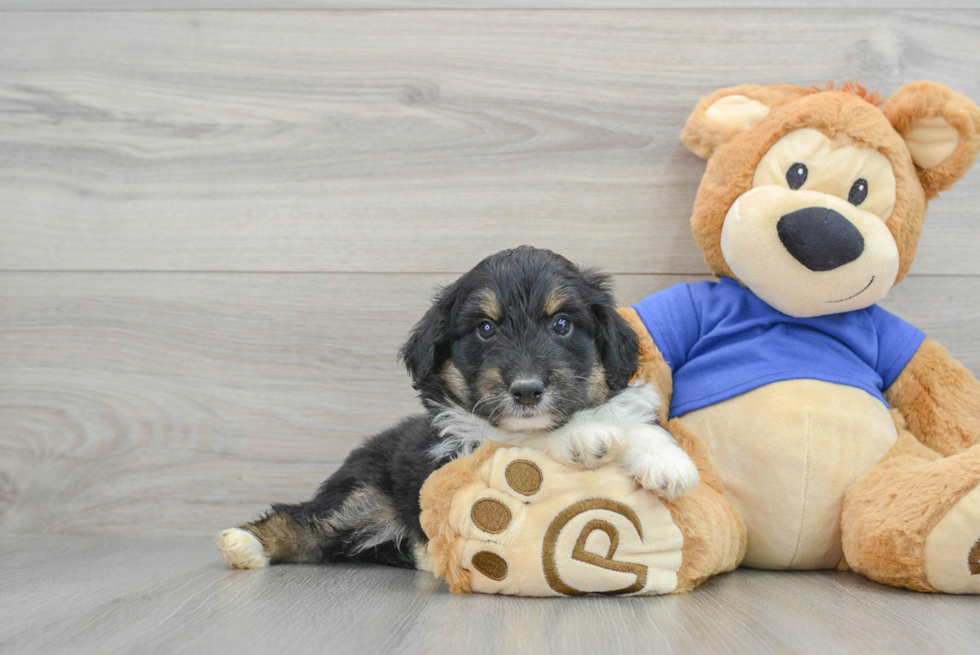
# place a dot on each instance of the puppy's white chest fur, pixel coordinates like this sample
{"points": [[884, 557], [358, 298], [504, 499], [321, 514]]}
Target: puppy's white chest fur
{"points": [[623, 428]]}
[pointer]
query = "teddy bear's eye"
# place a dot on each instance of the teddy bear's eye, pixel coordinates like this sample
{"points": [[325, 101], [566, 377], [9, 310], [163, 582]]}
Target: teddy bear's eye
{"points": [[796, 175], [859, 191]]}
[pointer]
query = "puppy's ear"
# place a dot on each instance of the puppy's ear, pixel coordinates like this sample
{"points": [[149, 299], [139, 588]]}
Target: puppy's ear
{"points": [[421, 354], [619, 347]]}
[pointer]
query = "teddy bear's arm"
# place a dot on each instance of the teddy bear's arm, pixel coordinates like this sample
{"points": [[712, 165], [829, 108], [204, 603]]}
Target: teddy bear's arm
{"points": [[511, 520], [939, 398], [653, 368]]}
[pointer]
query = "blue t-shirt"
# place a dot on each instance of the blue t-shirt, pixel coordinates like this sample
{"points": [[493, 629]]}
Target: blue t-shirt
{"points": [[721, 340]]}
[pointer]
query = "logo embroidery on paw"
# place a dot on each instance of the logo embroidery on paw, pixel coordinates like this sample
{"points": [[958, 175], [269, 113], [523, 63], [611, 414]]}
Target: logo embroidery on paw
{"points": [[579, 553], [973, 560]]}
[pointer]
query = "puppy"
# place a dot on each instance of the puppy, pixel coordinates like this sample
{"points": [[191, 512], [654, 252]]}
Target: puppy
{"points": [[524, 349]]}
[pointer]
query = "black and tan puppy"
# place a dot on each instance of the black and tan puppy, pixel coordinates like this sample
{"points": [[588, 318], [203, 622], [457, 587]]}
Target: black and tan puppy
{"points": [[525, 348]]}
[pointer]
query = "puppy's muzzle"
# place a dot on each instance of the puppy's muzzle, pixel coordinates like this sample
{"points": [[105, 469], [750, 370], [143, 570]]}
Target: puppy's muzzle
{"points": [[527, 392]]}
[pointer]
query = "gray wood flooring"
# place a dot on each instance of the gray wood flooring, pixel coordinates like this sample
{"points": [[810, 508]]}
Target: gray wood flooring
{"points": [[107, 595]]}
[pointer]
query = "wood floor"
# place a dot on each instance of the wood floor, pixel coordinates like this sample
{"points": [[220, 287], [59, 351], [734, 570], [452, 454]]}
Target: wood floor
{"points": [[219, 219], [107, 595]]}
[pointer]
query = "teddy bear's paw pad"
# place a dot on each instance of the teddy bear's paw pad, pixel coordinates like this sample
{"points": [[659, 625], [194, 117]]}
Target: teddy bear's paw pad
{"points": [[524, 477], [490, 564], [490, 515], [952, 553], [241, 549], [536, 528]]}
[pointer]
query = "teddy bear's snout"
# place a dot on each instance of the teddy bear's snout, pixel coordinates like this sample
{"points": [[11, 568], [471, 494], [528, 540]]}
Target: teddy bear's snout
{"points": [[820, 238]]}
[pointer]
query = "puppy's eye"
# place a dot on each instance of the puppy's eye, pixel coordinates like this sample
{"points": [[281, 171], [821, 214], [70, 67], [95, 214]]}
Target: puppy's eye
{"points": [[561, 325], [485, 329], [859, 191], [796, 175]]}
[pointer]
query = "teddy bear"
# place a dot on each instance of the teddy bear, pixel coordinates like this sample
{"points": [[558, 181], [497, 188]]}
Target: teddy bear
{"points": [[829, 433]]}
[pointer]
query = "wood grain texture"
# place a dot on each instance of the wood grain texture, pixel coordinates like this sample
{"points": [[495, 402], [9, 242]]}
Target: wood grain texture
{"points": [[409, 141], [174, 595], [162, 403]]}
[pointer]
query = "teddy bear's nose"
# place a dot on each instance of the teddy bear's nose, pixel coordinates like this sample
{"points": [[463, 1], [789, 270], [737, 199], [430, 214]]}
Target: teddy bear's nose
{"points": [[820, 238]]}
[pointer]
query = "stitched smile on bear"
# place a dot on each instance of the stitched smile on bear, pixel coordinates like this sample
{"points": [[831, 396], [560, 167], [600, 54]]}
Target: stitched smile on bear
{"points": [[810, 236]]}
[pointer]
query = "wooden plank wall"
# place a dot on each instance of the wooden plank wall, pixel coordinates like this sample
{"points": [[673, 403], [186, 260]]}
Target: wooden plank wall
{"points": [[216, 227]]}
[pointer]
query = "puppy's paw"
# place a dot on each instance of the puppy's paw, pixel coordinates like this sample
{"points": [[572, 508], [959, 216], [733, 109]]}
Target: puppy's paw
{"points": [[588, 444], [241, 549], [659, 464]]}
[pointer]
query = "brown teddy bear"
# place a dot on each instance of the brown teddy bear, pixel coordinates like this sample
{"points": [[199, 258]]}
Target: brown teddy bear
{"points": [[828, 432]]}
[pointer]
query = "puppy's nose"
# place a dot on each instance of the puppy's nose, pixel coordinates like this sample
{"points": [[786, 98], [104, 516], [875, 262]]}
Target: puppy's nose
{"points": [[820, 238], [527, 392]]}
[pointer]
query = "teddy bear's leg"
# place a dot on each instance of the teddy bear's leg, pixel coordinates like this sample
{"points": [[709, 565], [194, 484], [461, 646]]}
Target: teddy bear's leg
{"points": [[914, 520], [513, 521], [714, 532]]}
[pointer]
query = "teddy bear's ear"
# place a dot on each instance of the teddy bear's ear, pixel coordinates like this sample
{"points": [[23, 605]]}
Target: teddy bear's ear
{"points": [[941, 129], [726, 113]]}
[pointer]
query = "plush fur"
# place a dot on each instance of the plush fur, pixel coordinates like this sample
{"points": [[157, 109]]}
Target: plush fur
{"points": [[525, 348], [889, 513], [714, 532], [652, 367], [920, 100], [939, 399]]}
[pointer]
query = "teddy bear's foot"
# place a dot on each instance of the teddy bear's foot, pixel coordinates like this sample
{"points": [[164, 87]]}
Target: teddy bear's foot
{"points": [[513, 521], [952, 552], [914, 520]]}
